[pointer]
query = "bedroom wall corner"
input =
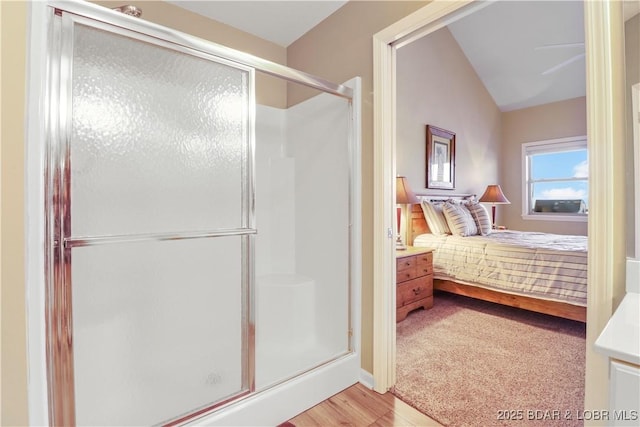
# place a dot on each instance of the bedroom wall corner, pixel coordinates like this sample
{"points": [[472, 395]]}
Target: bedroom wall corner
{"points": [[544, 122], [450, 96]]}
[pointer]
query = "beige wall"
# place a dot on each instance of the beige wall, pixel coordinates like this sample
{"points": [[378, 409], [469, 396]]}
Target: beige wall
{"points": [[632, 64], [450, 96], [14, 352], [556, 120], [340, 48]]}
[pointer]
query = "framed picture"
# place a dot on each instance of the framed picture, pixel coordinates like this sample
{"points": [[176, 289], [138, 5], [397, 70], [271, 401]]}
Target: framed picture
{"points": [[441, 158]]}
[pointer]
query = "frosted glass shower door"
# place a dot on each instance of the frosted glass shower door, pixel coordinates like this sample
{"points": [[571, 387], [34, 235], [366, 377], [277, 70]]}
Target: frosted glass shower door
{"points": [[154, 176]]}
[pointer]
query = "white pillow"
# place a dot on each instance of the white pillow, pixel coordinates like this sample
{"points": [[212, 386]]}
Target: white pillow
{"points": [[435, 218], [481, 216], [460, 221]]}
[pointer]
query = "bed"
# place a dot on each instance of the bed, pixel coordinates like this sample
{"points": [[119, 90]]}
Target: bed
{"points": [[541, 272]]}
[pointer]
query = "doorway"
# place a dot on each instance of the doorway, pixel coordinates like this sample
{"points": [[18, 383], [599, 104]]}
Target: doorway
{"points": [[604, 86]]}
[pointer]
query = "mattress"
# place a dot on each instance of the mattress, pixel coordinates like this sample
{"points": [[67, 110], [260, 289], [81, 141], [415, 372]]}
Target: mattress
{"points": [[539, 265]]}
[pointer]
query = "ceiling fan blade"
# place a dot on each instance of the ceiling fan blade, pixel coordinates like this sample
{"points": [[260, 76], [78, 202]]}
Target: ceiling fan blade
{"points": [[560, 46], [563, 64]]}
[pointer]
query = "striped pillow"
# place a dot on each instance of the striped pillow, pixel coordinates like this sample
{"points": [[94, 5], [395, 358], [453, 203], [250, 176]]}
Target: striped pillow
{"points": [[481, 216], [460, 221], [435, 218]]}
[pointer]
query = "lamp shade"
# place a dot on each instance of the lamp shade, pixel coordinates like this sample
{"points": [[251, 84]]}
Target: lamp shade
{"points": [[494, 195], [404, 194]]}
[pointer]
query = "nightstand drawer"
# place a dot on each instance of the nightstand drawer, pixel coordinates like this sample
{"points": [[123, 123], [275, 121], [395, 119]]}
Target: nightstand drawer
{"points": [[406, 274], [424, 264], [406, 263], [414, 280], [414, 290]]}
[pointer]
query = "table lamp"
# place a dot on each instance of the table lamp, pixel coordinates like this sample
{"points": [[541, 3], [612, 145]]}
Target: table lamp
{"points": [[494, 195]]}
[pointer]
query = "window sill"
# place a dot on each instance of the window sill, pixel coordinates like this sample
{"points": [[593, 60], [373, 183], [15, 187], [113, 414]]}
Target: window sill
{"points": [[557, 217]]}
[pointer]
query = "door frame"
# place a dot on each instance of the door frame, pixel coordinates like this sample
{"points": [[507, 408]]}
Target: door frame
{"points": [[604, 32]]}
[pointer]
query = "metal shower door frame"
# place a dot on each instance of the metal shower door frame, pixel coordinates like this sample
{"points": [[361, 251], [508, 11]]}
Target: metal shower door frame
{"points": [[60, 242]]}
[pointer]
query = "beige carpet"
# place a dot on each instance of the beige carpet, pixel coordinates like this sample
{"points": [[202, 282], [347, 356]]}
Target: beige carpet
{"points": [[467, 362]]}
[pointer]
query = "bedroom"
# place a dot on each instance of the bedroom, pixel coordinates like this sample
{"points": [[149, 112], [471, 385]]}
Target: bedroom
{"points": [[492, 111], [460, 103], [533, 106], [488, 136]]}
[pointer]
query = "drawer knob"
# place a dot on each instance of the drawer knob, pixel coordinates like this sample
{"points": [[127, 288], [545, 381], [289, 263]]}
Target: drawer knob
{"points": [[417, 291]]}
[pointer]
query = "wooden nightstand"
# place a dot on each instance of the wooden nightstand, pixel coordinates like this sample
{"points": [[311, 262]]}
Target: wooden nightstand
{"points": [[414, 280]]}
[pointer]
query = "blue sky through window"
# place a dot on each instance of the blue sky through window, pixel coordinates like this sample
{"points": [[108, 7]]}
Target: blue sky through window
{"points": [[561, 165]]}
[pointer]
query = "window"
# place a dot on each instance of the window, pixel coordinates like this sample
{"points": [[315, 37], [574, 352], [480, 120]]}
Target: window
{"points": [[556, 179]]}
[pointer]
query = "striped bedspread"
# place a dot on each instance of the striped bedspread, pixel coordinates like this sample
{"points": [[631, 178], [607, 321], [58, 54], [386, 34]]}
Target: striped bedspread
{"points": [[540, 265]]}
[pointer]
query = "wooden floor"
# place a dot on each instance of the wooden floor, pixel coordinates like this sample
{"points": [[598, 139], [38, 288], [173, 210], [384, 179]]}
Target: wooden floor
{"points": [[359, 406]]}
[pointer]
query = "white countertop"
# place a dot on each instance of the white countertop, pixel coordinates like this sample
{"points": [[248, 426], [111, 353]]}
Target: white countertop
{"points": [[620, 338]]}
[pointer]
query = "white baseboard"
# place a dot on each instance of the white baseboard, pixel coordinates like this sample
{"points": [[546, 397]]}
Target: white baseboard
{"points": [[366, 379]]}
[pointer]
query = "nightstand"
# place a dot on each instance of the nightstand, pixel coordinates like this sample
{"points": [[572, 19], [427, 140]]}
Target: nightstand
{"points": [[414, 280]]}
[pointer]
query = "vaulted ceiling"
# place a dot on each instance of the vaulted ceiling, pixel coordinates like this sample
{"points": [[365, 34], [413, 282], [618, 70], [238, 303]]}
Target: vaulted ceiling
{"points": [[525, 52]]}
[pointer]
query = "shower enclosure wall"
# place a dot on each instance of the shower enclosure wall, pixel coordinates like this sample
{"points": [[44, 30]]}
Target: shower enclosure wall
{"points": [[302, 251], [200, 256]]}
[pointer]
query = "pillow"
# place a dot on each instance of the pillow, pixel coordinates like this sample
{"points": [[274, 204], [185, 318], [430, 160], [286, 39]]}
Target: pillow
{"points": [[435, 218], [481, 216], [460, 221]]}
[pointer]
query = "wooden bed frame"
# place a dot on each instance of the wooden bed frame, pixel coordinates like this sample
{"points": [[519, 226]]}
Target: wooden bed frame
{"points": [[554, 308]]}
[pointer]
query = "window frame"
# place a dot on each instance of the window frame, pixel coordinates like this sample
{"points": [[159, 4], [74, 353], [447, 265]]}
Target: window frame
{"points": [[542, 147]]}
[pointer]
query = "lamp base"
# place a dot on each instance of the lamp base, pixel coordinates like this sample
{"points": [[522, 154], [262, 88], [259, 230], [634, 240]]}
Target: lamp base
{"points": [[400, 244]]}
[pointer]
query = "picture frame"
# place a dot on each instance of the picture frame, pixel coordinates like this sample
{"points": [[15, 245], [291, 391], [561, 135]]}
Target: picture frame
{"points": [[441, 158]]}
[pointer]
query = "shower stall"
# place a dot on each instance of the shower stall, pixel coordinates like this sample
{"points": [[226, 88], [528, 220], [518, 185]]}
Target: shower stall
{"points": [[200, 249]]}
